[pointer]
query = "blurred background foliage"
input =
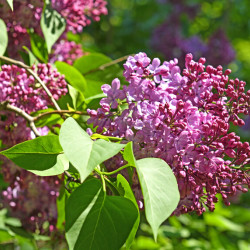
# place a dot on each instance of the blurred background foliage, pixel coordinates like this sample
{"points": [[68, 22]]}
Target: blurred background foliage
{"points": [[164, 29]]}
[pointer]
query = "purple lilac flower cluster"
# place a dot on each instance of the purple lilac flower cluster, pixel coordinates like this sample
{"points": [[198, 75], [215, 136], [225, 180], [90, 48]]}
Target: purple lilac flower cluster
{"points": [[21, 197], [27, 14], [168, 38], [184, 119]]}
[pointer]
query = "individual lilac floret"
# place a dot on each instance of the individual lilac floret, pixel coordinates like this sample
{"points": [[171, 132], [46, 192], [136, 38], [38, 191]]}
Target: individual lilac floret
{"points": [[182, 117], [113, 94]]}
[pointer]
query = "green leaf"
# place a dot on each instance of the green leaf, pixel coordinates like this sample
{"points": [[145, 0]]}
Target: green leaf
{"points": [[60, 204], [97, 221], [126, 191], [73, 76], [38, 47], [88, 63], [10, 2], [160, 190], [77, 98], [84, 153], [32, 58], [52, 24], [94, 90], [128, 155], [90, 66], [42, 156], [60, 166], [3, 37]]}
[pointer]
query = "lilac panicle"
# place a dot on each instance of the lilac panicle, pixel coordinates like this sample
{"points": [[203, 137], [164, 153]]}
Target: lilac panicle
{"points": [[182, 117]]}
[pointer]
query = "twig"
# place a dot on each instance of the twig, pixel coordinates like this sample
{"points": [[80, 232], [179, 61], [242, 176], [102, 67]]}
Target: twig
{"points": [[59, 112], [31, 120], [106, 65], [71, 178], [6, 106], [22, 65]]}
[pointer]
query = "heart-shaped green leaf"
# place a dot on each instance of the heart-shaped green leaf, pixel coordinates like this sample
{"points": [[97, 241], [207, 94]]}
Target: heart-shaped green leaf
{"points": [[84, 153], [160, 190], [97, 221], [42, 156]]}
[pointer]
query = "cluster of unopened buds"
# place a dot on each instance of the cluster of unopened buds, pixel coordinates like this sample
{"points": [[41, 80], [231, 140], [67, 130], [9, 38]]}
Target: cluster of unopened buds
{"points": [[183, 118], [29, 197]]}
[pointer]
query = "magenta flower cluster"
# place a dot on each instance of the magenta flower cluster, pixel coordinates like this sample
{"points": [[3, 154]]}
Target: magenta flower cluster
{"points": [[66, 51], [182, 117], [23, 90], [29, 197], [79, 13]]}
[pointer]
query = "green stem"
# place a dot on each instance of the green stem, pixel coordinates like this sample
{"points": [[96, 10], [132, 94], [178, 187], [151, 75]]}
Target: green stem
{"points": [[103, 183], [116, 171]]}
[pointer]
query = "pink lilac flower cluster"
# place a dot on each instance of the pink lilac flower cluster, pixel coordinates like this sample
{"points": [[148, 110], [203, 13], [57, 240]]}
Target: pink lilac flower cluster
{"points": [[27, 14], [66, 51], [23, 91], [184, 119], [29, 197], [79, 13]]}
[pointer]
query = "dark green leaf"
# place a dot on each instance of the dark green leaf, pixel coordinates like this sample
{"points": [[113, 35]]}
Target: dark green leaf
{"points": [[77, 98], [3, 37], [52, 24], [97, 221], [42, 156], [84, 153], [38, 47], [160, 190], [32, 58]]}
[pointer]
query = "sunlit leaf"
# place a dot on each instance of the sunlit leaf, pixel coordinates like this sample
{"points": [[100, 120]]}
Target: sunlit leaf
{"points": [[84, 153]]}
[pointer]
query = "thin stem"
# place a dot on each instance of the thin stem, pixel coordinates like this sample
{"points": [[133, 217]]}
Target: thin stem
{"points": [[59, 112], [106, 65], [22, 65], [6, 106], [115, 171], [103, 183]]}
